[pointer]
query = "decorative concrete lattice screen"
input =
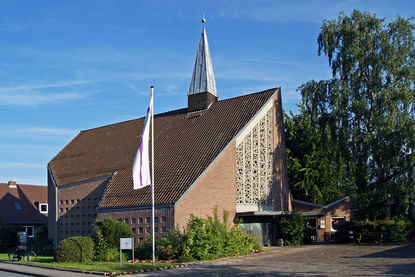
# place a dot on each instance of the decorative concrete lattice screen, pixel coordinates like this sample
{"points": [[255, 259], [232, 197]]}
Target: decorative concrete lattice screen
{"points": [[254, 164]]}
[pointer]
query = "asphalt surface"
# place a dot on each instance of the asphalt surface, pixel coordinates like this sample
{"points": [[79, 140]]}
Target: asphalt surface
{"points": [[312, 260]]}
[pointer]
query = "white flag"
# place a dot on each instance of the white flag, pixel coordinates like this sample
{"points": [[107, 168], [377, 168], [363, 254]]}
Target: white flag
{"points": [[141, 166]]}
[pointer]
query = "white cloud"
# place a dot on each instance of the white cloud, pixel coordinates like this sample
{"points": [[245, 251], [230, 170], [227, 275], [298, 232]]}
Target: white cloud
{"points": [[39, 131], [35, 98], [21, 165]]}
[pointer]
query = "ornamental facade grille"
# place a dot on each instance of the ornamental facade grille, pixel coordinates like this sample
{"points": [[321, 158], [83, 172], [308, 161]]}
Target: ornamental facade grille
{"points": [[254, 165]]}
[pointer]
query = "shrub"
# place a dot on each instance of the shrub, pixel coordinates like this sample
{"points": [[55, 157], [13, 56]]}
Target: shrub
{"points": [[110, 255], [378, 231], [8, 236], [293, 228], [207, 239], [75, 249], [41, 244], [107, 234]]}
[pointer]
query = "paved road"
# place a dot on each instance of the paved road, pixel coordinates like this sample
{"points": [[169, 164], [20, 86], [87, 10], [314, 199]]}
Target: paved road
{"points": [[314, 260], [17, 270]]}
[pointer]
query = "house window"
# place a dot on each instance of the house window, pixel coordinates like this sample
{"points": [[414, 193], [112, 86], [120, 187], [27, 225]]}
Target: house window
{"points": [[17, 206], [133, 229], [30, 230], [140, 220], [156, 219], [132, 220], [163, 219], [43, 208], [148, 220], [72, 201], [140, 230], [163, 229], [127, 221], [335, 221]]}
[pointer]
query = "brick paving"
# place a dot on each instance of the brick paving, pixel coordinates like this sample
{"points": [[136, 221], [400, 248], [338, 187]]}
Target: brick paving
{"points": [[312, 260]]}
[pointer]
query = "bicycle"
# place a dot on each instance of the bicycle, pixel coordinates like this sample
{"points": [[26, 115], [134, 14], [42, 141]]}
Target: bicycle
{"points": [[20, 253]]}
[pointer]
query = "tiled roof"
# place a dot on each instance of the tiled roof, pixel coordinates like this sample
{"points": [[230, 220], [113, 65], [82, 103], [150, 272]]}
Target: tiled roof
{"points": [[185, 145], [17, 204]]}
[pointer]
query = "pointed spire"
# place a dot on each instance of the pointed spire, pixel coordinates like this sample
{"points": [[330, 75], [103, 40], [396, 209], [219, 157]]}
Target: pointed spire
{"points": [[203, 78]]}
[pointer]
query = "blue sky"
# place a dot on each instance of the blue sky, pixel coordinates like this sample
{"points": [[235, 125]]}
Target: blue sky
{"points": [[67, 66]]}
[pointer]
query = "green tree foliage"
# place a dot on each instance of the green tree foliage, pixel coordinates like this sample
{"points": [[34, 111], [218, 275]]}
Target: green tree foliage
{"points": [[75, 249], [359, 126], [8, 235], [293, 228], [107, 234]]}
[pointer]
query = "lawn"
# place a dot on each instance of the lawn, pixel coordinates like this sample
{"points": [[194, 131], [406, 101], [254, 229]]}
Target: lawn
{"points": [[89, 266]]}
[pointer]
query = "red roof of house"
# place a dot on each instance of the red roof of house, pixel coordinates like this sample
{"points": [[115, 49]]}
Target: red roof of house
{"points": [[17, 204], [185, 145]]}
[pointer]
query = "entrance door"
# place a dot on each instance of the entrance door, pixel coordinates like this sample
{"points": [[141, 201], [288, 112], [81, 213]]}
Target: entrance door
{"points": [[312, 225]]}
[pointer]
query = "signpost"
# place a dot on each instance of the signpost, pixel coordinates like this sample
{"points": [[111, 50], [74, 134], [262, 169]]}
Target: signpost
{"points": [[126, 243]]}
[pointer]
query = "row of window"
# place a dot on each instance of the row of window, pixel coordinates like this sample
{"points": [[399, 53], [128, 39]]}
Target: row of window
{"points": [[147, 230], [141, 220], [62, 210], [73, 201]]}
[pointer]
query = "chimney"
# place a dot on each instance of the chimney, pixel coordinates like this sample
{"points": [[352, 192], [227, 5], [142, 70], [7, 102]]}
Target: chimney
{"points": [[202, 90], [12, 184]]}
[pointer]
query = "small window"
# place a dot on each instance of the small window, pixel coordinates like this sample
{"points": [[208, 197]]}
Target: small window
{"points": [[17, 206], [148, 220], [133, 229], [163, 229], [156, 229], [61, 202], [140, 230], [43, 208], [163, 219], [61, 210], [132, 220], [140, 220], [72, 201], [66, 202], [156, 219], [127, 221]]}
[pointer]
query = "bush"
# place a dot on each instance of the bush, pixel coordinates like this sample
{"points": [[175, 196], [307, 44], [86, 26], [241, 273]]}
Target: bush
{"points": [[107, 234], [207, 239], [110, 255], [41, 244], [8, 236], [293, 228], [75, 249], [376, 231]]}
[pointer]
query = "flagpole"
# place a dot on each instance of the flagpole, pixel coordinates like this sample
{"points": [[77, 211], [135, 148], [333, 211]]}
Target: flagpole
{"points": [[152, 174]]}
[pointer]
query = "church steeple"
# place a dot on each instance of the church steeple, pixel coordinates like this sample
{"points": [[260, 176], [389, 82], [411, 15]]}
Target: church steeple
{"points": [[202, 90]]}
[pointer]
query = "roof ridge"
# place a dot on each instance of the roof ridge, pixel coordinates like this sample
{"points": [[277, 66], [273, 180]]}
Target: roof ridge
{"points": [[178, 110]]}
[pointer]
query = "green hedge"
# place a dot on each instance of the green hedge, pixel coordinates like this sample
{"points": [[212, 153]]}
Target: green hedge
{"points": [[75, 249], [376, 231], [293, 228]]}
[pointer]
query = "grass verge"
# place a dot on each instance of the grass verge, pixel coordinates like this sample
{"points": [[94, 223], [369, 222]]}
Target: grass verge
{"points": [[89, 266]]}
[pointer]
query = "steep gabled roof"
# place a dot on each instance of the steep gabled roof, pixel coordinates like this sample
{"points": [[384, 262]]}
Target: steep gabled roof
{"points": [[17, 204], [185, 145]]}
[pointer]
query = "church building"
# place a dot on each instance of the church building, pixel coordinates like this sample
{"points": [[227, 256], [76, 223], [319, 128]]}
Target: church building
{"points": [[228, 154]]}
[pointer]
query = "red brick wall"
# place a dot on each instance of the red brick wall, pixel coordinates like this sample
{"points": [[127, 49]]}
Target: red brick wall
{"points": [[342, 209], [77, 208], [215, 188], [139, 221], [282, 195]]}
